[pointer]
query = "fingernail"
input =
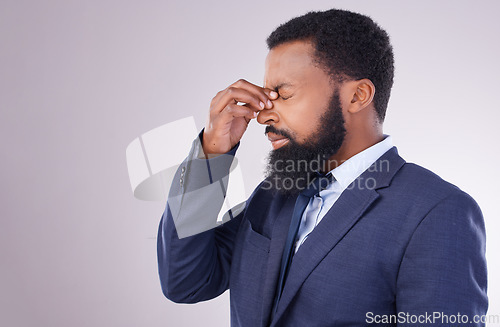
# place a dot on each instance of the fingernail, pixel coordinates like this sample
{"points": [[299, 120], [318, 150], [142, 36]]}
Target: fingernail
{"points": [[269, 103], [255, 114], [262, 105], [273, 94]]}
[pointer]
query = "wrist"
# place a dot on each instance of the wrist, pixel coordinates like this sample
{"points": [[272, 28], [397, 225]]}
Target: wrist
{"points": [[209, 151], [212, 148]]}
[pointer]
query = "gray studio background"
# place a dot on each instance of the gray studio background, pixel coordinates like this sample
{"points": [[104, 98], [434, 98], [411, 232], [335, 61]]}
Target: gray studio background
{"points": [[79, 80]]}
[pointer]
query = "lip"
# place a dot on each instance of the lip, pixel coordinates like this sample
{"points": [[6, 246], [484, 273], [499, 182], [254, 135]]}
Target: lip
{"points": [[277, 141]]}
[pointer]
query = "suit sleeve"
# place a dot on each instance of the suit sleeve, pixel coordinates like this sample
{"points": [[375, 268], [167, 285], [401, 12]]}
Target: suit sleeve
{"points": [[194, 252], [443, 271]]}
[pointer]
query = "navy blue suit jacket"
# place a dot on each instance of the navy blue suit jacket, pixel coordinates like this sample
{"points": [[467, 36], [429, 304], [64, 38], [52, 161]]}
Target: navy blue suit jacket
{"points": [[399, 241]]}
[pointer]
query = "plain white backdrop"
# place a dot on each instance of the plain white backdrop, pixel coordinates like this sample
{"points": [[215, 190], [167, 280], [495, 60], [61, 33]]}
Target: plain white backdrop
{"points": [[79, 80]]}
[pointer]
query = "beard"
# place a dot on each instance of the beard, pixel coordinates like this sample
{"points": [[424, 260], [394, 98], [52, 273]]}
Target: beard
{"points": [[292, 167]]}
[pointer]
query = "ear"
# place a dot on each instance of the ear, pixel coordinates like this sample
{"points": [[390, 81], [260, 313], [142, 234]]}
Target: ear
{"points": [[361, 93]]}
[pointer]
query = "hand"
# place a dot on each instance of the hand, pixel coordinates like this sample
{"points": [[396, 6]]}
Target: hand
{"points": [[228, 120]]}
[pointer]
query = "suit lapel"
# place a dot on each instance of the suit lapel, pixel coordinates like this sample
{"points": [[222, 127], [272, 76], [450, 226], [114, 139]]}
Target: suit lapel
{"points": [[270, 214], [344, 214]]}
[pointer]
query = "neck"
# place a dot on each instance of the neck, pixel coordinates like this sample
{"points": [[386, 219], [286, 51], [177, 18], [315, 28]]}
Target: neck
{"points": [[352, 146]]}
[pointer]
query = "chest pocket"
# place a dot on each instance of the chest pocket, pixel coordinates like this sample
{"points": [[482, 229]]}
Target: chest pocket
{"points": [[253, 240], [248, 274]]}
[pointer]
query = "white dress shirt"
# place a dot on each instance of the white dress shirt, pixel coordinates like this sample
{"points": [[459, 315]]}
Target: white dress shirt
{"points": [[344, 175]]}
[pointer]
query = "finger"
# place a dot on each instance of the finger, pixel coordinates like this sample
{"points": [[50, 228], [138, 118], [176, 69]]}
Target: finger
{"points": [[255, 113], [233, 110], [234, 95], [273, 95], [265, 95], [216, 98]]}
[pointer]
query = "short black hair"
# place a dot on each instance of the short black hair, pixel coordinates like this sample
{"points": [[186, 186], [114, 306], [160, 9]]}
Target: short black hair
{"points": [[350, 46]]}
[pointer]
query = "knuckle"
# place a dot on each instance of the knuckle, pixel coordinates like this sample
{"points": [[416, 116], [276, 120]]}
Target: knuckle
{"points": [[213, 105], [216, 98]]}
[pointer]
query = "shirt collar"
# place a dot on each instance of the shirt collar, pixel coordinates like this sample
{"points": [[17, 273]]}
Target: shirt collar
{"points": [[353, 167]]}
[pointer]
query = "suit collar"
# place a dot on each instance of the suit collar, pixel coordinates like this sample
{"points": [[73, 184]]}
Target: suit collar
{"points": [[351, 168]]}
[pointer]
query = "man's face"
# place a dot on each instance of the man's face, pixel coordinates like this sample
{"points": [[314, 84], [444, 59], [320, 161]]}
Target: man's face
{"points": [[306, 124]]}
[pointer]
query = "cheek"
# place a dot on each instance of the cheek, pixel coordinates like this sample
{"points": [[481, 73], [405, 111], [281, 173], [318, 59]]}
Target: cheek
{"points": [[302, 117]]}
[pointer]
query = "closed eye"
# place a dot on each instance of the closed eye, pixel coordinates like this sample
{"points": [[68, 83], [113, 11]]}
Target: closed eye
{"points": [[287, 87], [285, 97]]}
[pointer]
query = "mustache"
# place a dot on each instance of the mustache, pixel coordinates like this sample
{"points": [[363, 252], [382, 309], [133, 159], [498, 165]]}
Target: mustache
{"points": [[272, 129]]}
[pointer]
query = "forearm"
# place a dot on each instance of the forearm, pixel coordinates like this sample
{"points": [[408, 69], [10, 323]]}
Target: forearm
{"points": [[194, 268], [193, 255]]}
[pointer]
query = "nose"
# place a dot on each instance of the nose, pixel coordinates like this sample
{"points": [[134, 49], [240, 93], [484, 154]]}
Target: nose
{"points": [[268, 116]]}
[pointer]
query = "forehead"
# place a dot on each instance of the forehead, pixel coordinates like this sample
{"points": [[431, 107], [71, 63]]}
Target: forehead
{"points": [[291, 63]]}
